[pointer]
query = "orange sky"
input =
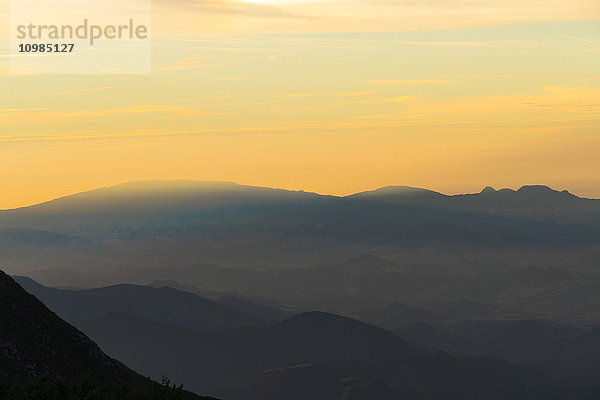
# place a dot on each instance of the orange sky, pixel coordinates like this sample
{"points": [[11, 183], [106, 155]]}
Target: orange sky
{"points": [[482, 98]]}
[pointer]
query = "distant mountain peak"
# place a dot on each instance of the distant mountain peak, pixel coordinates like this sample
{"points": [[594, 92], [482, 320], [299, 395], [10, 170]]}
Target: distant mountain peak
{"points": [[401, 193], [535, 188], [165, 304], [409, 190], [543, 191], [488, 190]]}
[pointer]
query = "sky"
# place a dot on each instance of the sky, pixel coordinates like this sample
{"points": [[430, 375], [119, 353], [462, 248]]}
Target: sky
{"points": [[334, 97]]}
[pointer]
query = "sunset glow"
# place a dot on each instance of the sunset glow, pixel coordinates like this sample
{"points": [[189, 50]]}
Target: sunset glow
{"points": [[329, 97]]}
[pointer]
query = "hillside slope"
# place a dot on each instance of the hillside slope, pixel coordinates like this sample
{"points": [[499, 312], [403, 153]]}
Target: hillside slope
{"points": [[38, 348], [345, 355]]}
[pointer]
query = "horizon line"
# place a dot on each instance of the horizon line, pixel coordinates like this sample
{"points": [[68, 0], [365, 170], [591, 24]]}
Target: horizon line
{"points": [[99, 188]]}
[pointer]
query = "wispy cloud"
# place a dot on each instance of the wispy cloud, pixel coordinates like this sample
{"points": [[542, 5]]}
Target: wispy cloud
{"points": [[140, 109], [492, 43], [329, 94], [411, 82], [234, 48], [357, 93], [397, 99], [300, 95], [444, 44], [554, 102], [232, 79], [186, 63], [138, 133], [227, 96], [20, 110], [243, 8], [579, 39], [61, 93], [459, 76], [177, 80], [566, 105]]}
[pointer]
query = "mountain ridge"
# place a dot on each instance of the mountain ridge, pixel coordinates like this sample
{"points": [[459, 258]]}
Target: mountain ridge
{"points": [[163, 304], [335, 351], [261, 228], [40, 352], [127, 188]]}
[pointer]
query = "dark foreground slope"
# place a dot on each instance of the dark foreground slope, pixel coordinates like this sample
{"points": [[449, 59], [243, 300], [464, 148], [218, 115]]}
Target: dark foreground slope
{"points": [[312, 356], [42, 355]]}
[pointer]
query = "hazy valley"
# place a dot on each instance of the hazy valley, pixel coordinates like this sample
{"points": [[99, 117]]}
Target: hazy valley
{"points": [[243, 293]]}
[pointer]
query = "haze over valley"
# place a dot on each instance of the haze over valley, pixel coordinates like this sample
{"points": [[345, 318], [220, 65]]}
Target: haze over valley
{"points": [[243, 292]]}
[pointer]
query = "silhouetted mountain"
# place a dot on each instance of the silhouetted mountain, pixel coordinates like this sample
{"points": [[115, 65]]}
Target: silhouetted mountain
{"points": [[241, 362], [365, 281], [137, 224], [498, 254], [525, 194], [37, 344], [166, 305], [142, 201], [569, 354], [534, 201], [365, 287], [402, 194]]}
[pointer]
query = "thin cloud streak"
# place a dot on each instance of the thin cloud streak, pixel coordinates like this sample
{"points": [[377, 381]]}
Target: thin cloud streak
{"points": [[19, 110], [411, 82], [579, 39], [329, 94], [65, 92]]}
